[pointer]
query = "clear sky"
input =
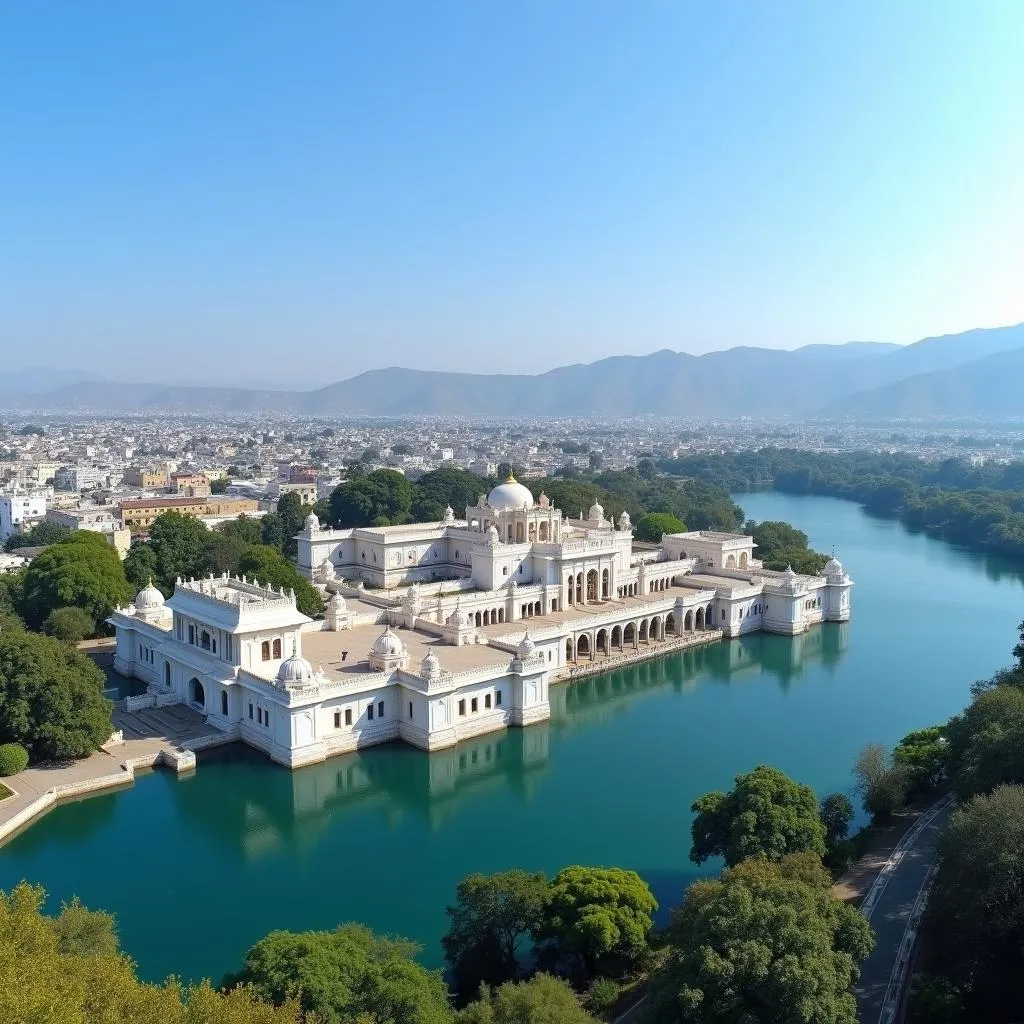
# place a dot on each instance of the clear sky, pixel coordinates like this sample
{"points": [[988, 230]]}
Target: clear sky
{"points": [[294, 192]]}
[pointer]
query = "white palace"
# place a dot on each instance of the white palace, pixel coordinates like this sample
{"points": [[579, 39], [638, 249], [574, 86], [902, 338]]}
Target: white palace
{"points": [[437, 632]]}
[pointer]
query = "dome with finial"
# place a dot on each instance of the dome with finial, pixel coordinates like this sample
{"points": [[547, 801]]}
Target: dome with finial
{"points": [[449, 514], [596, 513], [295, 671], [833, 567], [492, 534], [337, 603], [624, 521], [510, 496], [388, 645], [526, 647], [327, 571], [312, 523], [430, 667], [789, 574], [459, 618], [149, 599]]}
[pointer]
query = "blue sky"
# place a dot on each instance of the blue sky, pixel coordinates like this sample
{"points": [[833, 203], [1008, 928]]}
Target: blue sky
{"points": [[296, 192]]}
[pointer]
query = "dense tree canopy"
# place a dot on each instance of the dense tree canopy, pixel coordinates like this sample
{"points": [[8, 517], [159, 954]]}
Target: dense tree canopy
{"points": [[51, 698], [69, 624], [493, 917], [380, 498], [68, 970], [82, 570], [986, 742], [345, 973], [40, 535], [764, 942], [597, 920], [836, 813], [766, 814], [780, 545], [882, 783], [923, 754], [975, 916], [445, 487], [654, 525], [543, 999]]}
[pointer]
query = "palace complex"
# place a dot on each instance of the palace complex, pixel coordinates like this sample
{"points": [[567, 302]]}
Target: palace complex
{"points": [[437, 632]]}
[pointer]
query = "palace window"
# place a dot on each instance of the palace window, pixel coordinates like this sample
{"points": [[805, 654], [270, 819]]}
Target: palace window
{"points": [[224, 702], [191, 634], [497, 697], [348, 716], [337, 719], [204, 641], [277, 648], [487, 700], [369, 711], [259, 716], [410, 709], [380, 709], [462, 707], [265, 650], [266, 719], [504, 570], [250, 709], [472, 705]]}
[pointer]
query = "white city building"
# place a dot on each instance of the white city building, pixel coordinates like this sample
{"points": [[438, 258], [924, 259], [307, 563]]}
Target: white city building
{"points": [[20, 510], [437, 632]]}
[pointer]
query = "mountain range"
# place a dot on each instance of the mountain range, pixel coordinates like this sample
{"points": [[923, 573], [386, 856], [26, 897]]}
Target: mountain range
{"points": [[974, 373]]}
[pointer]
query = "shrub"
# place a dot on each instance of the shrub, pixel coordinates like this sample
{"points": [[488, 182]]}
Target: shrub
{"points": [[601, 995], [69, 624], [13, 759]]}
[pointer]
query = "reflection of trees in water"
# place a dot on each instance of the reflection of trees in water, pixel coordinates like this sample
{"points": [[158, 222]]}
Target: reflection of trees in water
{"points": [[599, 699], [239, 797]]}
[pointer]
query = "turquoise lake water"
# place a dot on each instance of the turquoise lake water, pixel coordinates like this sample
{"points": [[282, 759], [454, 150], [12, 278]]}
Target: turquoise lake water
{"points": [[198, 868]]}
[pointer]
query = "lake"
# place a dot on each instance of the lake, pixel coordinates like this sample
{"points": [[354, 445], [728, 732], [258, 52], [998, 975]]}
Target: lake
{"points": [[199, 868]]}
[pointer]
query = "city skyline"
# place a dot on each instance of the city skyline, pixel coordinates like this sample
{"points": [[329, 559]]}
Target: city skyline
{"points": [[307, 194]]}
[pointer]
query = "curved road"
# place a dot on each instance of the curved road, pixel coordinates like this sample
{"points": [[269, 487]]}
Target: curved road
{"points": [[893, 906]]}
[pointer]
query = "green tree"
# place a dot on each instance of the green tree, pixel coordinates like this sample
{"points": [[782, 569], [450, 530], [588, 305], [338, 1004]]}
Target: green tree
{"points": [[492, 917], [986, 742], [764, 942], [596, 920], [40, 535], [382, 497], [141, 567], [541, 1000], [82, 570], [345, 974], [445, 487], [84, 932], [51, 698], [766, 814], [180, 545], [836, 813], [67, 970], [780, 545], [654, 525], [292, 514], [923, 754], [975, 917], [69, 625], [272, 569], [647, 469], [246, 529], [882, 784]]}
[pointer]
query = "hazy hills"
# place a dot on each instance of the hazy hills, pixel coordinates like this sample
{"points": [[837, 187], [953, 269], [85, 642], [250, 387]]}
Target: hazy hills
{"points": [[860, 379]]}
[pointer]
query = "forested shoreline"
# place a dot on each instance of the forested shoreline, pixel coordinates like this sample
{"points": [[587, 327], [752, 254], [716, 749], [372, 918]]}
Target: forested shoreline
{"points": [[980, 507]]}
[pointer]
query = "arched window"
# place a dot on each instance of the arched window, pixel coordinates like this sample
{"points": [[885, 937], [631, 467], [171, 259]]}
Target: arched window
{"points": [[167, 673], [277, 648], [224, 703], [265, 650], [191, 634]]}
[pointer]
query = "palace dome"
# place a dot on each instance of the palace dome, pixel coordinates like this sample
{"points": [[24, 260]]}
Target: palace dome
{"points": [[459, 618], [526, 647], [312, 523], [596, 513], [327, 570], [337, 602], [294, 671], [388, 645], [148, 599], [510, 496], [833, 567], [430, 667]]}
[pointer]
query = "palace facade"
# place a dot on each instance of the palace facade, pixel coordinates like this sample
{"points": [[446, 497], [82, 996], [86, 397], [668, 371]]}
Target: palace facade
{"points": [[438, 632]]}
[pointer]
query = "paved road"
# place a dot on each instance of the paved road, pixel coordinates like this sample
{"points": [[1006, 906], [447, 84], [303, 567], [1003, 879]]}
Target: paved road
{"points": [[890, 916]]}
